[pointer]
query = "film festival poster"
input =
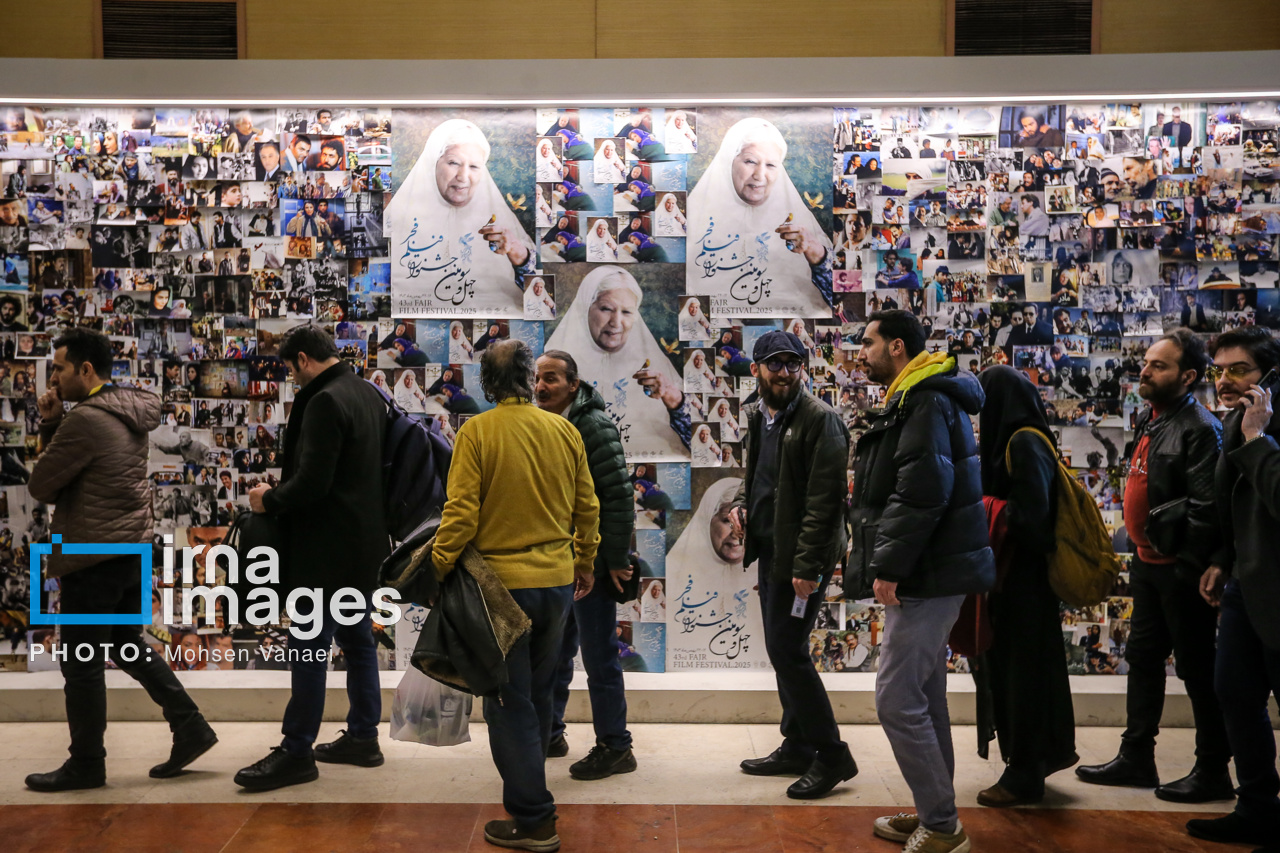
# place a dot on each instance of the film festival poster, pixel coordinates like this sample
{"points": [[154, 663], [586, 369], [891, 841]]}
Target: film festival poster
{"points": [[461, 217], [713, 609], [759, 213], [619, 324]]}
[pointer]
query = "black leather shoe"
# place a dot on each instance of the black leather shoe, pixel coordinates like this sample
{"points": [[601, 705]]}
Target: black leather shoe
{"points": [[559, 746], [1062, 764], [1201, 785], [1234, 828], [71, 776], [1122, 770], [822, 777], [188, 745], [277, 770], [602, 762], [777, 763], [362, 752]]}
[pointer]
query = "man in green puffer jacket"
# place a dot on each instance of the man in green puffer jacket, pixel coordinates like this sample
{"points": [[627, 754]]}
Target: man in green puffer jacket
{"points": [[594, 617]]}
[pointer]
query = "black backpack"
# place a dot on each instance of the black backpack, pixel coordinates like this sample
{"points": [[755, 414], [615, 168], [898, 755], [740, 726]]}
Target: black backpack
{"points": [[415, 469]]}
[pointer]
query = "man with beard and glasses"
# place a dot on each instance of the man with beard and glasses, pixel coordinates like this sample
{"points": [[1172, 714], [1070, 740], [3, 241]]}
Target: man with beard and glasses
{"points": [[1169, 513], [1242, 583], [920, 544], [788, 510]]}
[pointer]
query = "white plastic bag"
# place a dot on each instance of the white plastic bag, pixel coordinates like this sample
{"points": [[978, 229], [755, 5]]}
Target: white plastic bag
{"points": [[426, 711]]}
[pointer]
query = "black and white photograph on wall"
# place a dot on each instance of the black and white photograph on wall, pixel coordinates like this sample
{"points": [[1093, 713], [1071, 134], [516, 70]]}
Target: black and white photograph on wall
{"points": [[458, 244]]}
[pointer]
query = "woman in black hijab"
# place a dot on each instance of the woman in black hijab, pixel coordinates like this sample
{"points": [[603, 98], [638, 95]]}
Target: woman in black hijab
{"points": [[1034, 719]]}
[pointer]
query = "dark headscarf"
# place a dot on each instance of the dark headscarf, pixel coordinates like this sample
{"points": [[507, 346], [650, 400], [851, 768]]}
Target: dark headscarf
{"points": [[1012, 403]]}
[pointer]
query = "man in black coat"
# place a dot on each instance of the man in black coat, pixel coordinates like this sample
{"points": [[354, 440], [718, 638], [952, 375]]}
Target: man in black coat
{"points": [[1170, 517], [1247, 669], [920, 544], [330, 507], [788, 513]]}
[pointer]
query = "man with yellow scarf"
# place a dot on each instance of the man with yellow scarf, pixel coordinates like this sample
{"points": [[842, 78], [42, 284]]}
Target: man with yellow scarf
{"points": [[920, 544]]}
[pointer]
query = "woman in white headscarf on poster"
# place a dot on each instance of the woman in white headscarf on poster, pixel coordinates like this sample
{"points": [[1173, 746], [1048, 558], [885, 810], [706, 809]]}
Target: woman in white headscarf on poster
{"points": [[605, 332], [461, 350], [722, 615], [455, 242], [680, 137], [608, 166], [705, 450], [538, 304], [668, 221], [409, 394], [379, 380], [751, 231], [694, 325], [653, 602], [601, 247], [550, 169], [544, 215], [723, 415], [698, 376], [796, 327]]}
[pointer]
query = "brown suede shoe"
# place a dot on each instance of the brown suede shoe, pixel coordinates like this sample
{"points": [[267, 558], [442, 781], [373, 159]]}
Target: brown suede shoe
{"points": [[1000, 797]]}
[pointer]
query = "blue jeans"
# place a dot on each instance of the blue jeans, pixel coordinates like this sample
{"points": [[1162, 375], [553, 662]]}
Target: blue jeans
{"points": [[305, 711], [520, 718], [595, 619], [1246, 675]]}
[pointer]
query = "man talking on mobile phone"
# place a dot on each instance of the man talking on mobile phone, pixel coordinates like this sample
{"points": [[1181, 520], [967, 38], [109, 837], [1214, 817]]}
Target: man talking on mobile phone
{"points": [[790, 513]]}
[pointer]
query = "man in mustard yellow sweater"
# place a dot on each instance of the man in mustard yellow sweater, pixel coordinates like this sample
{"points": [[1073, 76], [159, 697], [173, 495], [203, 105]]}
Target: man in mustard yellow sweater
{"points": [[520, 491]]}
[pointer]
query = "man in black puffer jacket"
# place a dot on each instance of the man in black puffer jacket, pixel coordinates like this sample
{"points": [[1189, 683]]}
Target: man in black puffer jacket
{"points": [[920, 543], [594, 617]]}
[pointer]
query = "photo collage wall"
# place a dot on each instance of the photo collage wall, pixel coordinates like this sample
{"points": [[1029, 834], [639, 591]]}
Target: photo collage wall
{"points": [[655, 245]]}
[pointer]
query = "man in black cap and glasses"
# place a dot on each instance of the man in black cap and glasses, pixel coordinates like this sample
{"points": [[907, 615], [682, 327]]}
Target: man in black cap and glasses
{"points": [[789, 511]]}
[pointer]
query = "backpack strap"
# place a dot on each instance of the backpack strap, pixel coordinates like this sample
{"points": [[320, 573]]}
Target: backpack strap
{"points": [[1034, 431]]}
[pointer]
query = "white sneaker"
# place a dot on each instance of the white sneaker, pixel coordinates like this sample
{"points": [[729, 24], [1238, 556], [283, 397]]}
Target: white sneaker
{"points": [[898, 827], [928, 841]]}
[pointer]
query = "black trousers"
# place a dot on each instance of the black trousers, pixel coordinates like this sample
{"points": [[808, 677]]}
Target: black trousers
{"points": [[808, 724], [1169, 616], [113, 586]]}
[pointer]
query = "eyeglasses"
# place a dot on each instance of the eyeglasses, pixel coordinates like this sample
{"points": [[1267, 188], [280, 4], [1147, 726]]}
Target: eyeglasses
{"points": [[1235, 371], [777, 365]]}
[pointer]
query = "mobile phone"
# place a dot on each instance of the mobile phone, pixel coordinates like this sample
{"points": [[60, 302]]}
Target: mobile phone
{"points": [[1269, 379]]}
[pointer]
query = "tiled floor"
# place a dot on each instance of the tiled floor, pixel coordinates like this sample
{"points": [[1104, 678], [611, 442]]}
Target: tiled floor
{"points": [[428, 799]]}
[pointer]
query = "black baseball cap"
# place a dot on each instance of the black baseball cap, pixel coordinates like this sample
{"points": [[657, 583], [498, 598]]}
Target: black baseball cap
{"points": [[776, 342]]}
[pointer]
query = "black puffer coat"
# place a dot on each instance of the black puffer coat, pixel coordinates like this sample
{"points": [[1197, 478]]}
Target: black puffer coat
{"points": [[608, 464], [917, 511]]}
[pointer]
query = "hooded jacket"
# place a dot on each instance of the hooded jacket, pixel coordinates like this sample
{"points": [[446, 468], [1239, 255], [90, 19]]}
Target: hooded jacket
{"points": [[94, 469], [608, 465], [917, 512]]}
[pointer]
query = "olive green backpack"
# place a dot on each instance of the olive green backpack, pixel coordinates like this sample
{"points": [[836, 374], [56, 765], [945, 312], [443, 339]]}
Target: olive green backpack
{"points": [[1084, 568]]}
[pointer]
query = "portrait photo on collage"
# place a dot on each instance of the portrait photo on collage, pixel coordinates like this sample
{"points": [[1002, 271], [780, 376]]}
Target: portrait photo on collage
{"points": [[655, 245]]}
